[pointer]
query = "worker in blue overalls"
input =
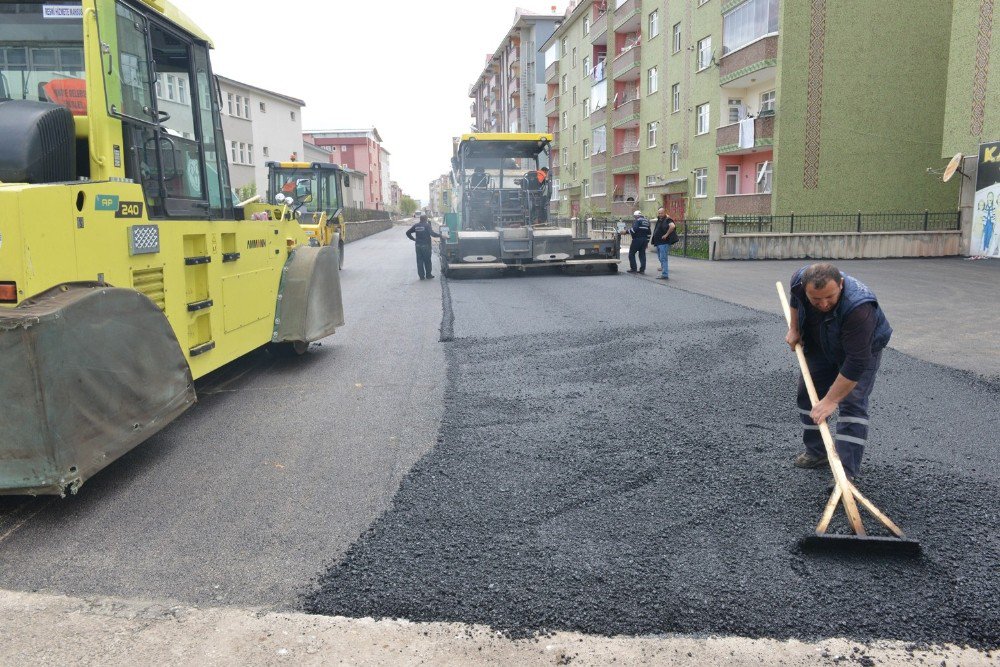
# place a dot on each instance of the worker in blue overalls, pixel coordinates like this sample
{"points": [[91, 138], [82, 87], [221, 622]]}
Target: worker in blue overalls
{"points": [[843, 331], [421, 233], [640, 232]]}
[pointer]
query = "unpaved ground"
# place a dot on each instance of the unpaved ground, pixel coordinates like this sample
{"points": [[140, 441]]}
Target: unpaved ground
{"points": [[48, 630]]}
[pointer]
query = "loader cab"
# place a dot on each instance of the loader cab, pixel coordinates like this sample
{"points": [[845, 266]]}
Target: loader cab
{"points": [[315, 187], [158, 82]]}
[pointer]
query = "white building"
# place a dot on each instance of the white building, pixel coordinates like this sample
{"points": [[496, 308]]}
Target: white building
{"points": [[386, 182], [259, 125]]}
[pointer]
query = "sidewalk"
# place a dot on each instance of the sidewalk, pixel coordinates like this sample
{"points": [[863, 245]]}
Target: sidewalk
{"points": [[942, 310]]}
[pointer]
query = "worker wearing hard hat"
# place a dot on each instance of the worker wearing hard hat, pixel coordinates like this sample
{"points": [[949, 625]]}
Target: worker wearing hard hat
{"points": [[640, 232]]}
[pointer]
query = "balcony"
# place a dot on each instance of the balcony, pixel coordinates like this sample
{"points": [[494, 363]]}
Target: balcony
{"points": [[626, 115], [752, 204], [599, 30], [599, 160], [552, 106], [599, 117], [727, 139], [759, 59], [552, 72], [626, 66], [622, 207], [514, 70], [627, 162], [514, 87], [628, 16]]}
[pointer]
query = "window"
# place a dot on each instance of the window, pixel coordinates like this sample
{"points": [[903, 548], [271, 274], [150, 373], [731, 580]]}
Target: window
{"points": [[767, 101], [171, 87], [263, 108], [182, 95], [565, 157], [586, 65], [233, 153], [343, 148], [675, 97], [704, 53], [573, 59], [676, 44], [266, 152], [732, 179], [574, 95], [246, 107], [651, 129], [586, 26], [586, 188], [702, 112], [701, 182], [748, 22], [291, 115], [562, 47], [764, 177], [564, 123], [600, 143], [574, 171], [675, 156], [586, 149], [651, 81], [734, 109], [574, 133], [654, 23], [586, 107], [249, 153], [564, 86]]}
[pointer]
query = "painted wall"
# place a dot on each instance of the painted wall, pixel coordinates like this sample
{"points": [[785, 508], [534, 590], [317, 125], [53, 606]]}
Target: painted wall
{"points": [[972, 110], [880, 111]]}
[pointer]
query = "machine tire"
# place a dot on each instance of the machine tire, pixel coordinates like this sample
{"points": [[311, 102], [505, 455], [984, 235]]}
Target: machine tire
{"points": [[289, 349], [612, 268]]}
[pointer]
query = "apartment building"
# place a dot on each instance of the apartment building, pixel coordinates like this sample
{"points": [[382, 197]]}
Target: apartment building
{"points": [[354, 191], [508, 95], [259, 126], [360, 150], [736, 107], [442, 195]]}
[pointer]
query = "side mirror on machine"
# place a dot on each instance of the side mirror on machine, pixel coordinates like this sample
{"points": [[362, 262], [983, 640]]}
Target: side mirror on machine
{"points": [[347, 181]]}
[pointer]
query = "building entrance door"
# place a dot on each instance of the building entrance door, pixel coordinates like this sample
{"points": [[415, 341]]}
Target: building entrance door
{"points": [[675, 205]]}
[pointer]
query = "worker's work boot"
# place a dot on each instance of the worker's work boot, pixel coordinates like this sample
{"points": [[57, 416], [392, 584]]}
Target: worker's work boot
{"points": [[807, 460]]}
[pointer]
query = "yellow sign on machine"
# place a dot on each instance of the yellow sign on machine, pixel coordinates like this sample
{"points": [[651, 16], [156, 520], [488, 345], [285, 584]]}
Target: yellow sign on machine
{"points": [[126, 269]]}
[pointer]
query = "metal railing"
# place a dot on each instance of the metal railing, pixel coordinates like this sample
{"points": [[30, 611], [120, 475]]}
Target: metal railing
{"points": [[692, 234], [857, 223]]}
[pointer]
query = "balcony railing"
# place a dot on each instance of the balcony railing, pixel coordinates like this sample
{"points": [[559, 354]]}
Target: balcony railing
{"points": [[626, 162], [599, 117], [599, 160], [514, 88], [552, 106], [727, 139], [626, 65], [751, 204], [599, 29], [626, 115], [751, 58], [552, 72], [627, 15], [623, 207]]}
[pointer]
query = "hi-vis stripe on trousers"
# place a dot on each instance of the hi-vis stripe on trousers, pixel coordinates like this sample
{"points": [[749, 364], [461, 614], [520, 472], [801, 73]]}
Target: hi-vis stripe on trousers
{"points": [[852, 422]]}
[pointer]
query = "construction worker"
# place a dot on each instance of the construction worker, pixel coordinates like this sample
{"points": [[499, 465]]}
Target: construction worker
{"points": [[640, 239], [537, 183], [479, 179], [421, 233], [664, 236], [843, 331]]}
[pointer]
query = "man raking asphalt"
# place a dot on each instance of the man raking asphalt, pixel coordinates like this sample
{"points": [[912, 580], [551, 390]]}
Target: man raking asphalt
{"points": [[845, 331]]}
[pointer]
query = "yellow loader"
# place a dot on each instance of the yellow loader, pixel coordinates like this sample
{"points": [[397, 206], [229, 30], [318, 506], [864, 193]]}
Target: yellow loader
{"points": [[126, 270]]}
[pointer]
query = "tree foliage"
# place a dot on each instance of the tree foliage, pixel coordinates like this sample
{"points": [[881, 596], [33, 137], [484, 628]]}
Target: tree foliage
{"points": [[407, 205]]}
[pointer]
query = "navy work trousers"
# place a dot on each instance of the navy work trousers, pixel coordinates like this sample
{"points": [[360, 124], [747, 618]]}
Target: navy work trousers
{"points": [[637, 247], [424, 269], [852, 420]]}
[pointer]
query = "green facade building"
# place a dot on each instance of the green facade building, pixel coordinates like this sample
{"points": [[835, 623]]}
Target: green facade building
{"points": [[741, 107]]}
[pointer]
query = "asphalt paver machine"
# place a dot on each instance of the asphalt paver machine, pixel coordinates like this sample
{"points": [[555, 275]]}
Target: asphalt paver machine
{"points": [[502, 217], [126, 269]]}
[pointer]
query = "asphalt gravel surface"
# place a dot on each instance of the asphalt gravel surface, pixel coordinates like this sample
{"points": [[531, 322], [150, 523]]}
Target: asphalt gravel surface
{"points": [[615, 458]]}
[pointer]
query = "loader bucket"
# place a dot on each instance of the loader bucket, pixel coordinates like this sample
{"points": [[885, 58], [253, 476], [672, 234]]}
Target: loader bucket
{"points": [[87, 372]]}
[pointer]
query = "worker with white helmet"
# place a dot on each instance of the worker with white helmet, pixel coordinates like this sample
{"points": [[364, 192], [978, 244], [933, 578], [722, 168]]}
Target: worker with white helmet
{"points": [[640, 232]]}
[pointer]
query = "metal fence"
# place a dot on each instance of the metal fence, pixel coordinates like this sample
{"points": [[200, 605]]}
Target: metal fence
{"points": [[363, 214], [858, 223], [692, 234]]}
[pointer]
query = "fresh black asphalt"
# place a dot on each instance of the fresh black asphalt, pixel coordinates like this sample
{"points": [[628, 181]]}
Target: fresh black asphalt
{"points": [[615, 458]]}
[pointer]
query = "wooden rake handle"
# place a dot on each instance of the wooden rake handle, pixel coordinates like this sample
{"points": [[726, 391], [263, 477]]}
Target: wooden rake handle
{"points": [[842, 485]]}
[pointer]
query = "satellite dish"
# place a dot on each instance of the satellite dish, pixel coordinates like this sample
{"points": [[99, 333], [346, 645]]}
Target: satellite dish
{"points": [[952, 167]]}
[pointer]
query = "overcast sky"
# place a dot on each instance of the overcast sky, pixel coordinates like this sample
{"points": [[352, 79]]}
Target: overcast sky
{"points": [[403, 66]]}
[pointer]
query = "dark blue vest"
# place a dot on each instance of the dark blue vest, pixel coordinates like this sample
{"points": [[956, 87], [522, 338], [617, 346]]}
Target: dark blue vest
{"points": [[855, 294]]}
